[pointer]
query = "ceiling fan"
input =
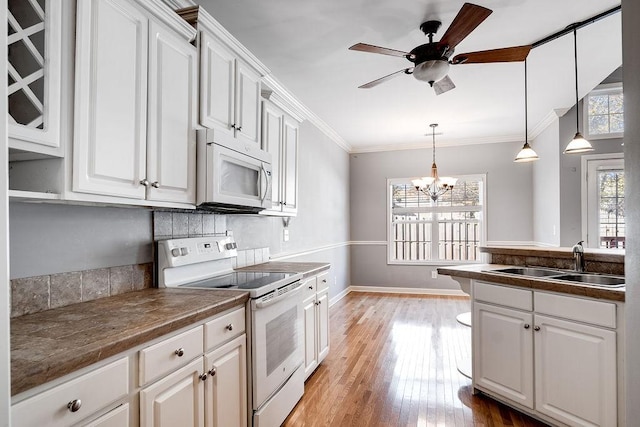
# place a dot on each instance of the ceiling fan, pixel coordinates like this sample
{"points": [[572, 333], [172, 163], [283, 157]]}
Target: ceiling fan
{"points": [[431, 60]]}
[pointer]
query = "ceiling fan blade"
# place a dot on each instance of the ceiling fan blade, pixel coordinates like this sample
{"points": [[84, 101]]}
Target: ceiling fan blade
{"points": [[363, 47], [443, 85], [507, 54], [385, 78], [469, 17]]}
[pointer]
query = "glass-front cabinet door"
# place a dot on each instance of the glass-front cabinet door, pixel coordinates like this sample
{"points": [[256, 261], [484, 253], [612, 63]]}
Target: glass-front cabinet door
{"points": [[34, 62]]}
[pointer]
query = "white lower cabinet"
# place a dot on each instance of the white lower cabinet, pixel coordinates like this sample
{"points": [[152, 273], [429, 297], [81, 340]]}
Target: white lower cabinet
{"points": [[226, 388], [176, 400], [503, 352], [78, 400], [316, 321], [551, 355], [575, 372], [211, 390], [195, 377]]}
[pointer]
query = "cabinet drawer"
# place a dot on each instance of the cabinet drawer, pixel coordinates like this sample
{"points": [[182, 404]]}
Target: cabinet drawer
{"points": [[502, 295], [170, 354], [323, 281], [118, 417], [582, 310], [224, 328], [310, 286], [94, 390]]}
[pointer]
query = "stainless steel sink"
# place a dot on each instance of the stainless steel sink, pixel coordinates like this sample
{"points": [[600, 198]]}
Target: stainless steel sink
{"points": [[527, 271], [593, 279]]}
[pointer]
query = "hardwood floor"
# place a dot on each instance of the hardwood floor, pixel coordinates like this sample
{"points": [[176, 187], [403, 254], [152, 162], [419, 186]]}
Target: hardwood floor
{"points": [[393, 362]]}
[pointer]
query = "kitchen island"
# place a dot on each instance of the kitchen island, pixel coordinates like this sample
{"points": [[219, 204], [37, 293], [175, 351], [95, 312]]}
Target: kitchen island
{"points": [[549, 347]]}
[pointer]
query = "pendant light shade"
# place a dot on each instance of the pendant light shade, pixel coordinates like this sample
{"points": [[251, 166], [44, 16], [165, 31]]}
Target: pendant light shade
{"points": [[578, 144], [526, 154]]}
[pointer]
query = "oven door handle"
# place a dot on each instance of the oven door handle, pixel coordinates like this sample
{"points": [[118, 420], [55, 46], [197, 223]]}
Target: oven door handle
{"points": [[267, 303], [267, 182]]}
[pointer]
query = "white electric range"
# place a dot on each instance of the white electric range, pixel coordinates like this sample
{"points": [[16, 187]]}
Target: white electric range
{"points": [[274, 316]]}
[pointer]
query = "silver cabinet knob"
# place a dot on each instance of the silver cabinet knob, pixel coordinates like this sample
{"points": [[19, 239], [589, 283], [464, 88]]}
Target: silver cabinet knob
{"points": [[155, 184], [310, 288], [527, 326], [536, 328], [229, 327], [74, 405], [319, 302], [145, 182], [212, 372], [180, 352], [203, 377], [233, 126]]}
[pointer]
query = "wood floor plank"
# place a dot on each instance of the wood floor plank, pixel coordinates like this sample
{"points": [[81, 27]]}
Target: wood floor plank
{"points": [[393, 362]]}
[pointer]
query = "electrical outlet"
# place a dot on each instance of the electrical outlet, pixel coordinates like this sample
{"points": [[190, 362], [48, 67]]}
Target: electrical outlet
{"points": [[434, 274], [285, 235]]}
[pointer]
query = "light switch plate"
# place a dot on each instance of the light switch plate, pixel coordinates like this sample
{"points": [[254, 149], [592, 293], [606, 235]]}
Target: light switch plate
{"points": [[434, 274], [285, 235]]}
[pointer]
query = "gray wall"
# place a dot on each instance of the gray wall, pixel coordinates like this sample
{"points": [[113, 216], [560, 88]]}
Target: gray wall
{"points": [[631, 55], [49, 238], [56, 238], [509, 205], [546, 194]]}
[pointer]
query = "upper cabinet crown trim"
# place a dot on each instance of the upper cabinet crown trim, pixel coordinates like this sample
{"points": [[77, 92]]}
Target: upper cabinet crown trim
{"points": [[169, 17], [204, 21]]}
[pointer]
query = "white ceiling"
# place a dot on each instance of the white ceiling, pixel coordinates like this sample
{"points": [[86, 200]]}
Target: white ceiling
{"points": [[305, 45]]}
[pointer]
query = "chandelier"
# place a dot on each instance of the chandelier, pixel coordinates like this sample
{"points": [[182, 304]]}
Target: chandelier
{"points": [[434, 186]]}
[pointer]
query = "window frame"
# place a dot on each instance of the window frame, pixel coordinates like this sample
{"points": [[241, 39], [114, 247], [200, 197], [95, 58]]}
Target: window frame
{"points": [[436, 209], [603, 89]]}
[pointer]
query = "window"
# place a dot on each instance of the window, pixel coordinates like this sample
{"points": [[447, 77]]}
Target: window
{"points": [[605, 216], [421, 232], [604, 112]]}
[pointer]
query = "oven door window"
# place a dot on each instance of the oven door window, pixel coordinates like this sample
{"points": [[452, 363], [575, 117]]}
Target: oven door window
{"points": [[276, 346]]}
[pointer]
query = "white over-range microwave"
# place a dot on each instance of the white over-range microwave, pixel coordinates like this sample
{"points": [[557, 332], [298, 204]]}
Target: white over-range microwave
{"points": [[231, 176]]}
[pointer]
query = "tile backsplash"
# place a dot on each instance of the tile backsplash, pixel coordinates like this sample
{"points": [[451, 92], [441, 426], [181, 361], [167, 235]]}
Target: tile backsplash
{"points": [[40, 293], [173, 225]]}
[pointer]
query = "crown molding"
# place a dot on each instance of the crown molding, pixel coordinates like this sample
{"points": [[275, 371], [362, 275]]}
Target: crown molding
{"points": [[292, 103], [441, 144], [165, 13]]}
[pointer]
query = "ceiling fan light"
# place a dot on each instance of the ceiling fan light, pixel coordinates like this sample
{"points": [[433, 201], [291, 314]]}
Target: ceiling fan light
{"points": [[578, 145], [526, 154], [431, 71]]}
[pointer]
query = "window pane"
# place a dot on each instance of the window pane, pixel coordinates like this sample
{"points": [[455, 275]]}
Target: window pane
{"points": [[616, 104], [598, 125], [455, 236], [611, 201], [616, 123], [598, 104]]}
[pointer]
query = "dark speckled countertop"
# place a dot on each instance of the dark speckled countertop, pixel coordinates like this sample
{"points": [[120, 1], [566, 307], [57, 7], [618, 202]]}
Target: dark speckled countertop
{"points": [[483, 272], [53, 343], [306, 268]]}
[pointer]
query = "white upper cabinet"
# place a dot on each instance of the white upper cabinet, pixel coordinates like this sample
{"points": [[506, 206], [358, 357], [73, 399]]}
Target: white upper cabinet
{"points": [[280, 137], [171, 135], [34, 74], [134, 108], [111, 98], [229, 84]]}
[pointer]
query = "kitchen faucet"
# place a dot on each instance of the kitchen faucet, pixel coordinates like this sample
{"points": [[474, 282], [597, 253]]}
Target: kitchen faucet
{"points": [[578, 256]]}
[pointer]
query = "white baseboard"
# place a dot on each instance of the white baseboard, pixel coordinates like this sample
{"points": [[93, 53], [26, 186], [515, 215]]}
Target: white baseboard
{"points": [[338, 297], [417, 291]]}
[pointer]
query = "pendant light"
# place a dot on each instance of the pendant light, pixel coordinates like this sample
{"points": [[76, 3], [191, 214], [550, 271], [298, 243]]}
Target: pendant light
{"points": [[434, 186], [526, 154], [578, 144]]}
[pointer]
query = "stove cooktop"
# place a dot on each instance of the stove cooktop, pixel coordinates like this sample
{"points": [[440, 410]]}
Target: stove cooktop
{"points": [[246, 281]]}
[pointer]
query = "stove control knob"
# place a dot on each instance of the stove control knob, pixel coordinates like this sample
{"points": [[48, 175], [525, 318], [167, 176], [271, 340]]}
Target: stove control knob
{"points": [[175, 252], [184, 251]]}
